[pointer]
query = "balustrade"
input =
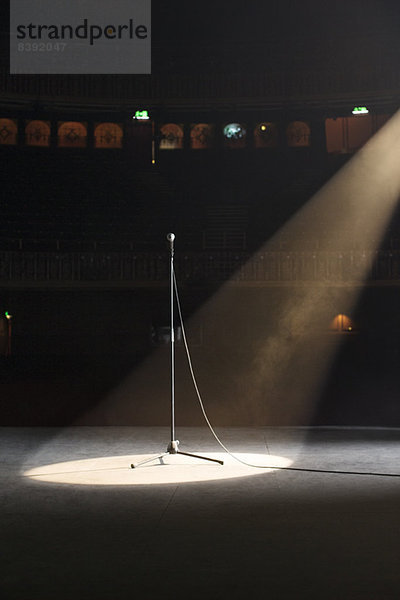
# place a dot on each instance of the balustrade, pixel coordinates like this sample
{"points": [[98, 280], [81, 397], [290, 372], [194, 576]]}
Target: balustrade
{"points": [[274, 84], [265, 268]]}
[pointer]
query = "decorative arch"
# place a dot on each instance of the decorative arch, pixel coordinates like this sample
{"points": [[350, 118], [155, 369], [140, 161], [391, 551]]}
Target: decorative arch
{"points": [[72, 134], [266, 135], [298, 134], [108, 135], [201, 136], [37, 133], [234, 135], [171, 136], [8, 132], [342, 323]]}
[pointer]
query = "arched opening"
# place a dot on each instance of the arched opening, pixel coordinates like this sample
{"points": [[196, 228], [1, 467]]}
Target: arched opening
{"points": [[8, 132], [171, 136], [298, 134], [266, 135], [108, 135], [37, 133], [72, 134], [234, 135], [201, 136]]}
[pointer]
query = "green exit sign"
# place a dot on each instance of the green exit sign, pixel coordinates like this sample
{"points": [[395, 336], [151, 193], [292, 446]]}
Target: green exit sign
{"points": [[360, 110], [142, 115]]}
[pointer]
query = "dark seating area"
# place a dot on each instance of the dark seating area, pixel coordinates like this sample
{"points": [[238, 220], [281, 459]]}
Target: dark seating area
{"points": [[65, 199]]}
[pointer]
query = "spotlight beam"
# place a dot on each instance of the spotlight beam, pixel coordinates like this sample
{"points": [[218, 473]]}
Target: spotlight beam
{"points": [[274, 375]]}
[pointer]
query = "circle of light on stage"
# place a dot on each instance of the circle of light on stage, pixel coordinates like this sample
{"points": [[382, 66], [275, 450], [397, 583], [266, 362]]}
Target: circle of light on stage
{"points": [[173, 468]]}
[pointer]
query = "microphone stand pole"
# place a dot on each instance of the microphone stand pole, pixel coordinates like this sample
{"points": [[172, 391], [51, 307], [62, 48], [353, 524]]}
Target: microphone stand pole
{"points": [[173, 446]]}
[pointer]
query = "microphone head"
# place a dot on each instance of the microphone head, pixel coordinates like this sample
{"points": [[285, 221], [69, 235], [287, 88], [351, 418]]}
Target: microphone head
{"points": [[171, 237]]}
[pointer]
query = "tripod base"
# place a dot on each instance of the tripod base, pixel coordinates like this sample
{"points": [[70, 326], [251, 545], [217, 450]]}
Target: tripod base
{"points": [[173, 448]]}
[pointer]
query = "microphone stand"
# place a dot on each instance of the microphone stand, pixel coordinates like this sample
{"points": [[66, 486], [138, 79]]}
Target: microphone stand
{"points": [[173, 446]]}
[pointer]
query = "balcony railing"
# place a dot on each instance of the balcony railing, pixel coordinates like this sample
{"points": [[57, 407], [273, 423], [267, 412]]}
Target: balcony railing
{"points": [[269, 88], [145, 268]]}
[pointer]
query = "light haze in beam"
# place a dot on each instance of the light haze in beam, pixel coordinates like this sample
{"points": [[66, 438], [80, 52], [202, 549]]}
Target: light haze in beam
{"points": [[277, 357], [351, 211]]}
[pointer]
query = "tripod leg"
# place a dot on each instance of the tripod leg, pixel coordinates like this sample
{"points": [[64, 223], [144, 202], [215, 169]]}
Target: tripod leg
{"points": [[147, 460], [220, 462]]}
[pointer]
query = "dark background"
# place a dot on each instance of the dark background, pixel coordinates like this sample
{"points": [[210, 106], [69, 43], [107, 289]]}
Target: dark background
{"points": [[73, 345]]}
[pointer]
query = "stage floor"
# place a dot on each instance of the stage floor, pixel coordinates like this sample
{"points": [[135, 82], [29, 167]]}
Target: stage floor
{"points": [[79, 523]]}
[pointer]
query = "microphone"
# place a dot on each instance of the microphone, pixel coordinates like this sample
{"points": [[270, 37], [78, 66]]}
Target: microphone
{"points": [[170, 238]]}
